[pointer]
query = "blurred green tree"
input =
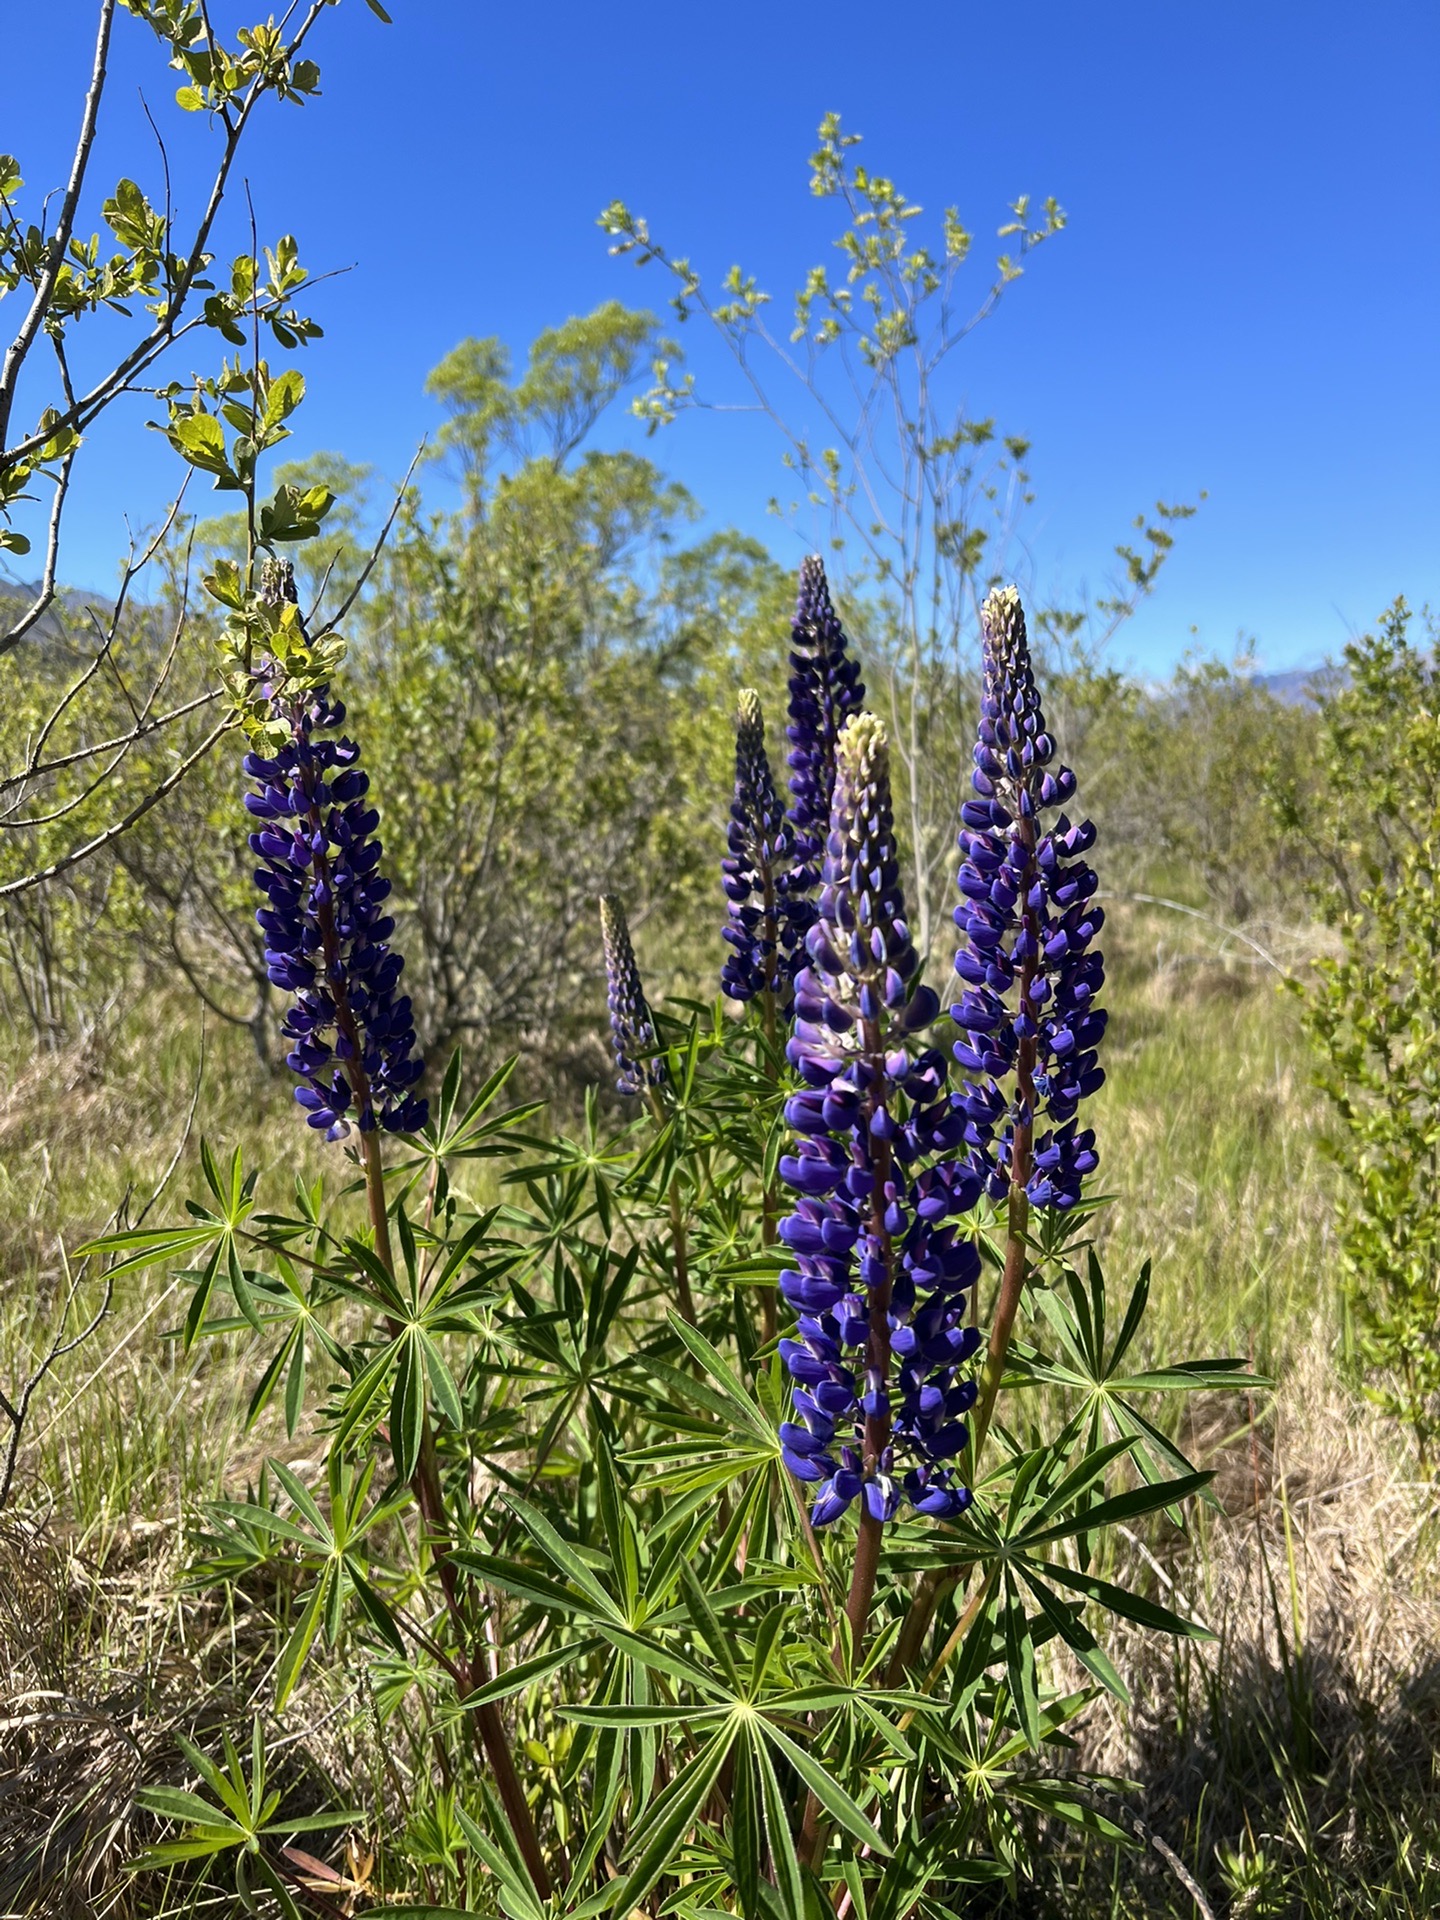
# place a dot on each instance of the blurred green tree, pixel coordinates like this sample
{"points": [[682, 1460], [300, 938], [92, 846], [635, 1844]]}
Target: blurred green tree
{"points": [[1371, 823]]}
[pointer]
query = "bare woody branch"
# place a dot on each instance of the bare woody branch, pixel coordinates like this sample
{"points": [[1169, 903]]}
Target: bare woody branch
{"points": [[64, 227], [123, 825], [82, 411]]}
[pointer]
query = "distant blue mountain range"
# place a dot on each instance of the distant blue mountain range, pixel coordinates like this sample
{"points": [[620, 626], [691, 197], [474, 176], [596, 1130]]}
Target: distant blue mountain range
{"points": [[1297, 688]]}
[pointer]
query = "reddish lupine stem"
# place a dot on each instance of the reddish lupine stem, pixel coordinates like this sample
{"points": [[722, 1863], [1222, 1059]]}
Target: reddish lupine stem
{"points": [[430, 1499]]}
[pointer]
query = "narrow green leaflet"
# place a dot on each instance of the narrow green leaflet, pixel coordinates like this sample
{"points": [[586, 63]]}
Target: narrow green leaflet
{"points": [[670, 1819], [828, 1791]]}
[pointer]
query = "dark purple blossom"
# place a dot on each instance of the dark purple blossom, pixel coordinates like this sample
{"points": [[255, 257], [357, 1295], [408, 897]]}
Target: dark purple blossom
{"points": [[825, 690], [352, 1039], [638, 1052], [881, 1273], [1029, 971], [756, 873]]}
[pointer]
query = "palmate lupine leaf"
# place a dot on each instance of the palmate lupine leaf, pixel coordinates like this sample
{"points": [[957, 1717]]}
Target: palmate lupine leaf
{"points": [[1028, 1524], [572, 1182], [1063, 1620], [286, 1302], [568, 1357], [609, 1590], [476, 1131], [426, 1299], [309, 1222], [528, 1673], [623, 1722], [331, 1546], [985, 1761], [675, 1628], [789, 1882], [222, 1229], [503, 1859], [1075, 1315], [239, 1818], [567, 1192], [738, 1440], [670, 1818], [746, 1845], [1032, 1595], [746, 1734]]}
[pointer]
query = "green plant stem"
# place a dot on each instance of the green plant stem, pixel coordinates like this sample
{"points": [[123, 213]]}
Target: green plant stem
{"points": [[961, 1628], [1012, 1286], [680, 1245], [679, 1242], [375, 1199], [430, 1499], [928, 1595]]}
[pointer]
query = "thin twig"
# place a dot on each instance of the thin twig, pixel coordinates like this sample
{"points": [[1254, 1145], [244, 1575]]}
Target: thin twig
{"points": [[1167, 1853], [375, 551], [45, 592], [64, 226], [142, 732], [1233, 933], [113, 832], [81, 412]]}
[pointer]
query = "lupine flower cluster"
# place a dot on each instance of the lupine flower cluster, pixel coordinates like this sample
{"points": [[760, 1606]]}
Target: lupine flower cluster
{"points": [[881, 1275], [1029, 925], [352, 1040], [825, 690], [756, 874], [638, 1053]]}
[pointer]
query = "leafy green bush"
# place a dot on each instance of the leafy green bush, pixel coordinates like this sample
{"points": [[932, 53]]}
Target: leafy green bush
{"points": [[1371, 822]]}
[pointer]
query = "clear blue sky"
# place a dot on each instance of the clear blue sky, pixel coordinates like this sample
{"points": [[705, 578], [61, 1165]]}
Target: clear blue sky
{"points": [[1247, 300]]}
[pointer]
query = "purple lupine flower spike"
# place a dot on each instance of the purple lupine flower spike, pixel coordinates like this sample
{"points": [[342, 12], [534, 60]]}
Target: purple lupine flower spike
{"points": [[352, 1041], [638, 1053], [825, 690], [1029, 970], [756, 873], [881, 1272]]}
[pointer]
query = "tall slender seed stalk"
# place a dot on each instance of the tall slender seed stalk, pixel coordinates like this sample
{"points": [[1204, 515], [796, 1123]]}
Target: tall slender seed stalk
{"points": [[679, 1240]]}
